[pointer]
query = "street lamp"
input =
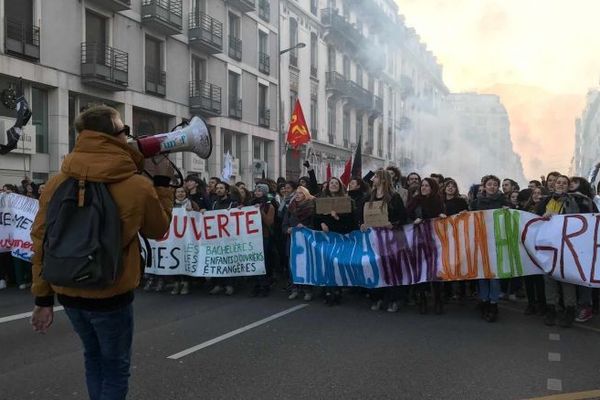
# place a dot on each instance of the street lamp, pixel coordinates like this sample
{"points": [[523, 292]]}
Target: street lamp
{"points": [[282, 163], [300, 45]]}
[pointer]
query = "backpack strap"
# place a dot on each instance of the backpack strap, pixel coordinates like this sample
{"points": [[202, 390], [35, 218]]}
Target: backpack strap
{"points": [[81, 192]]}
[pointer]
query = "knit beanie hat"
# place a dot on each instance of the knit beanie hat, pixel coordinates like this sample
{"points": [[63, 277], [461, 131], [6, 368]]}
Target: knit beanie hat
{"points": [[263, 188]]}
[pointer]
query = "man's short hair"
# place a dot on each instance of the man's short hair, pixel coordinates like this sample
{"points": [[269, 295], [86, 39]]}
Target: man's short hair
{"points": [[98, 119]]}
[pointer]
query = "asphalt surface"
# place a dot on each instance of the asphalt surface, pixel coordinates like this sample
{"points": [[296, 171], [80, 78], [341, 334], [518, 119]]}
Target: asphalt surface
{"points": [[316, 352]]}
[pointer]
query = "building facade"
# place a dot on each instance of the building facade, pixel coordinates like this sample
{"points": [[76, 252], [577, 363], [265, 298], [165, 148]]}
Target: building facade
{"points": [[587, 136], [362, 74], [478, 140], [157, 62]]}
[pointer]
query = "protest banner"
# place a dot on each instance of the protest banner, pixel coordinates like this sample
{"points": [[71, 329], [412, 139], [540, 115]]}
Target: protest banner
{"points": [[17, 213], [220, 243], [492, 244]]}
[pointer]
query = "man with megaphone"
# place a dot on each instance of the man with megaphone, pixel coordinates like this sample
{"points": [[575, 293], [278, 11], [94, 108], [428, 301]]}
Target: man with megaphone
{"points": [[100, 309]]}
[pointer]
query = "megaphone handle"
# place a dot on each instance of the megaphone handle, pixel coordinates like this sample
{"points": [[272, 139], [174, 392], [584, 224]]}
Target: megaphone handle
{"points": [[178, 173]]}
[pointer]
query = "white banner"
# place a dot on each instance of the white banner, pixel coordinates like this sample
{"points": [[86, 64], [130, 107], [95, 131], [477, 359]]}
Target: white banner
{"points": [[220, 243], [16, 218]]}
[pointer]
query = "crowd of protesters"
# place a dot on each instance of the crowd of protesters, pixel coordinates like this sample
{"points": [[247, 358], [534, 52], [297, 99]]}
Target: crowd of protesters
{"points": [[285, 204], [14, 269]]}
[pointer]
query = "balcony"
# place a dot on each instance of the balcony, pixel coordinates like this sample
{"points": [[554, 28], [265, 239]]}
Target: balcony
{"points": [[156, 81], [264, 10], [361, 97], [205, 33], [264, 63], [235, 108], [104, 67], [205, 98], [164, 16], [235, 48], [113, 5], [264, 118], [336, 82], [22, 40], [340, 30], [244, 6]]}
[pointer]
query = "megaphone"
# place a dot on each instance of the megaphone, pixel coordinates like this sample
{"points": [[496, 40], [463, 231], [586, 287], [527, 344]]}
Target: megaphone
{"points": [[195, 138]]}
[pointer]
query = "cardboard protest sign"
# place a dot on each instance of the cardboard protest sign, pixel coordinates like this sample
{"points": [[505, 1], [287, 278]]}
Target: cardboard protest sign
{"points": [[220, 243], [375, 216], [341, 205]]}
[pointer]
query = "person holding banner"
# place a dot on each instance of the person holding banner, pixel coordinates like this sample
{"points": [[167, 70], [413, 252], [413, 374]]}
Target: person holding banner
{"points": [[534, 284], [360, 193], [267, 213], [300, 213], [454, 204], [489, 289], [558, 203], [341, 223], [428, 205], [182, 283], [391, 205], [222, 201]]}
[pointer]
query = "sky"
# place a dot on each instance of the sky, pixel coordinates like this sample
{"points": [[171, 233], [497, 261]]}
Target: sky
{"points": [[540, 57]]}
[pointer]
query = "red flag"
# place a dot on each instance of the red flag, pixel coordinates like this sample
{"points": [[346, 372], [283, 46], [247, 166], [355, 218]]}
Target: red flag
{"points": [[328, 173], [345, 178], [298, 132]]}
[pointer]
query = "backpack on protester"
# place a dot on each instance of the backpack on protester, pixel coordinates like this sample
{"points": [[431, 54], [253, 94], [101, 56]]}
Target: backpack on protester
{"points": [[82, 244]]}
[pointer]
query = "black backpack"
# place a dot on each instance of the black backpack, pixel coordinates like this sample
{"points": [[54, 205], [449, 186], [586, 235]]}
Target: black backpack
{"points": [[82, 244]]}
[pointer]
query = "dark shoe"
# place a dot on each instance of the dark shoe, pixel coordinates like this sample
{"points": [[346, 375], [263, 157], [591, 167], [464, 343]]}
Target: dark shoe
{"points": [[337, 298], [550, 317], [567, 318], [422, 304], [530, 310], [329, 298], [492, 314], [484, 307]]}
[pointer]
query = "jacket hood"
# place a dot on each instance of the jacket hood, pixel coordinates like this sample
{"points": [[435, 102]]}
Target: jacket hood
{"points": [[98, 157]]}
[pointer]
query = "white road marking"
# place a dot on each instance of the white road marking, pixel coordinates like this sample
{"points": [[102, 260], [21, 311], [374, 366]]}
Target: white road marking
{"points": [[23, 316], [235, 332], [554, 384], [553, 357], [554, 337]]}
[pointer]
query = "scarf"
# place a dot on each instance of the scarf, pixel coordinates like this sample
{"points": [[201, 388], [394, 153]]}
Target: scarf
{"points": [[302, 210]]}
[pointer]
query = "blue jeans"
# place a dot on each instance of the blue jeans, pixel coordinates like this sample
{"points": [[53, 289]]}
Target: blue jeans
{"points": [[489, 290], [106, 338]]}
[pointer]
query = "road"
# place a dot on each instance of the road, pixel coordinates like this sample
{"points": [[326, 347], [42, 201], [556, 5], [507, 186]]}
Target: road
{"points": [[310, 352]]}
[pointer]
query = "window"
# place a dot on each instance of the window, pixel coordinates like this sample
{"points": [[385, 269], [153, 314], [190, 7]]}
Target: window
{"points": [[256, 149], [359, 75], [95, 28], [380, 141], [346, 67], [235, 43], [198, 6], [331, 123], [293, 98], [314, 51], [359, 127], [40, 119], [153, 54], [313, 6], [331, 58], [228, 143], [264, 61], [235, 102], [198, 69], [346, 129], [293, 41], [264, 117], [371, 136], [314, 112]]}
